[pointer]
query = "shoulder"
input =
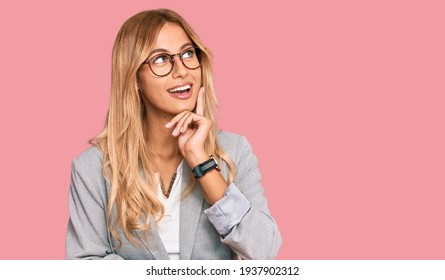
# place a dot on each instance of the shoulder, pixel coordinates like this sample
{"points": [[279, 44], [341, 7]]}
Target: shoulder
{"points": [[89, 162], [89, 158], [233, 144], [229, 141], [87, 179]]}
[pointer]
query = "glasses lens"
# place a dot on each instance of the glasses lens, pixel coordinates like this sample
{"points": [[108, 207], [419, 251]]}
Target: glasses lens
{"points": [[190, 58], [160, 64]]}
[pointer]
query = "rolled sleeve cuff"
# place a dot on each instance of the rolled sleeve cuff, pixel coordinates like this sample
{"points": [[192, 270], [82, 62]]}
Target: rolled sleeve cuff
{"points": [[229, 210]]}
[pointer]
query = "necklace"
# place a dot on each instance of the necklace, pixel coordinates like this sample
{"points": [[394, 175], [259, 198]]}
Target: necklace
{"points": [[166, 193]]}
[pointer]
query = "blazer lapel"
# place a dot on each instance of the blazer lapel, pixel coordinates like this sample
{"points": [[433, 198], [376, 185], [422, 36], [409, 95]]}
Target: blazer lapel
{"points": [[153, 242], [191, 209]]}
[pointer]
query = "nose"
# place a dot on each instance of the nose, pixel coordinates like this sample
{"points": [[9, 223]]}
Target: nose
{"points": [[179, 70]]}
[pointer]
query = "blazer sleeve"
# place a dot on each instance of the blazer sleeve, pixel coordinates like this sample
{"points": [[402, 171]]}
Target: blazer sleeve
{"points": [[87, 236], [256, 236]]}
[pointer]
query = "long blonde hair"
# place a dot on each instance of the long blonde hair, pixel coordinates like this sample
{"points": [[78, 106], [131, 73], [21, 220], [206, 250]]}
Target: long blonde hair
{"points": [[127, 163]]}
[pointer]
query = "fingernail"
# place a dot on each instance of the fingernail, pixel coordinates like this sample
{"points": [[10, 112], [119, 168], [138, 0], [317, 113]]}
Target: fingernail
{"points": [[182, 129], [174, 132], [168, 125]]}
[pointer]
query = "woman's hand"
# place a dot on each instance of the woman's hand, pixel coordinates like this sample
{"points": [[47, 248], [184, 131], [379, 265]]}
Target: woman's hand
{"points": [[193, 130]]}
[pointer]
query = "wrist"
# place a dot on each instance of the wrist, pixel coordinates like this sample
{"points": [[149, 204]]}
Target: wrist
{"points": [[195, 158]]}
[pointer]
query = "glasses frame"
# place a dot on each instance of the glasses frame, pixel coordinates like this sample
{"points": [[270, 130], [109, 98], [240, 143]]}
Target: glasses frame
{"points": [[198, 53]]}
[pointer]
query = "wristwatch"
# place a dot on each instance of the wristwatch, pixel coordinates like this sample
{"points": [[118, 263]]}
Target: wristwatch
{"points": [[201, 169]]}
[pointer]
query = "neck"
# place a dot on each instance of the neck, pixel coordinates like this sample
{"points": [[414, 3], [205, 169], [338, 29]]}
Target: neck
{"points": [[160, 139]]}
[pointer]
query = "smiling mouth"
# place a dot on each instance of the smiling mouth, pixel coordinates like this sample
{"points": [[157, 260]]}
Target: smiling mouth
{"points": [[180, 90]]}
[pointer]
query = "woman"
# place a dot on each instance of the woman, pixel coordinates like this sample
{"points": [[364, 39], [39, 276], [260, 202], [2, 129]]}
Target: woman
{"points": [[151, 186]]}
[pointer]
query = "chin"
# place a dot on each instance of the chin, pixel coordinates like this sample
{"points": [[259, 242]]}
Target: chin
{"points": [[180, 109]]}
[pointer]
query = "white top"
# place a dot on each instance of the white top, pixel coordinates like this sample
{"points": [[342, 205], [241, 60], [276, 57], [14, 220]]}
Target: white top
{"points": [[168, 226]]}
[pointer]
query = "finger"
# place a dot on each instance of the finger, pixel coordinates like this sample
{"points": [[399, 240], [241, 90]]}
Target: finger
{"points": [[187, 122], [199, 123], [200, 102], [178, 126], [176, 119]]}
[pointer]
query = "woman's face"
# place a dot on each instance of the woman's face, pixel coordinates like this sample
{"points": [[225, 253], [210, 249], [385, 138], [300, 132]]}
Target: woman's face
{"points": [[169, 95]]}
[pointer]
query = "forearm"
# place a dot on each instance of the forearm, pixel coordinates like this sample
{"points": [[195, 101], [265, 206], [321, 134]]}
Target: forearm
{"points": [[213, 186], [213, 183]]}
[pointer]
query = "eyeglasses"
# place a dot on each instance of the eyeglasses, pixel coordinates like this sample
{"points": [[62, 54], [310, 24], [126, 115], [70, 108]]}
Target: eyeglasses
{"points": [[162, 64]]}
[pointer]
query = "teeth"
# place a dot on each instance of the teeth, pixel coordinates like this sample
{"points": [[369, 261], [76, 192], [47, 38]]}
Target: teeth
{"points": [[183, 88]]}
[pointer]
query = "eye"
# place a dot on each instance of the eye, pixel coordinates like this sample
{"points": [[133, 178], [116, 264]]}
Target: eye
{"points": [[188, 54], [160, 59]]}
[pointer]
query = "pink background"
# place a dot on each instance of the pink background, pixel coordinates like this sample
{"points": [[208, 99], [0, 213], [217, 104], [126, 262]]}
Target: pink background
{"points": [[342, 101]]}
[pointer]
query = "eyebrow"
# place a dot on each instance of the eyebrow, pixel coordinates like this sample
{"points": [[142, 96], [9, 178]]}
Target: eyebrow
{"points": [[166, 51]]}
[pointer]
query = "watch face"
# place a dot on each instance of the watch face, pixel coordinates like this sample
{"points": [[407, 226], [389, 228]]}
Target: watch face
{"points": [[209, 164], [206, 166]]}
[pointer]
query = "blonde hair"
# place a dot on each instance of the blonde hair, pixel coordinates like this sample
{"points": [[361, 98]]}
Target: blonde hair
{"points": [[127, 163]]}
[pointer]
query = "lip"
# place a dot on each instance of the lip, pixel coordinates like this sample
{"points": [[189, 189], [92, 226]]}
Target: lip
{"points": [[182, 96]]}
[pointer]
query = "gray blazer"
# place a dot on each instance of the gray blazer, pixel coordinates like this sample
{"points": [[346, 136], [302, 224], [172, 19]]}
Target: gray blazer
{"points": [[256, 236]]}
